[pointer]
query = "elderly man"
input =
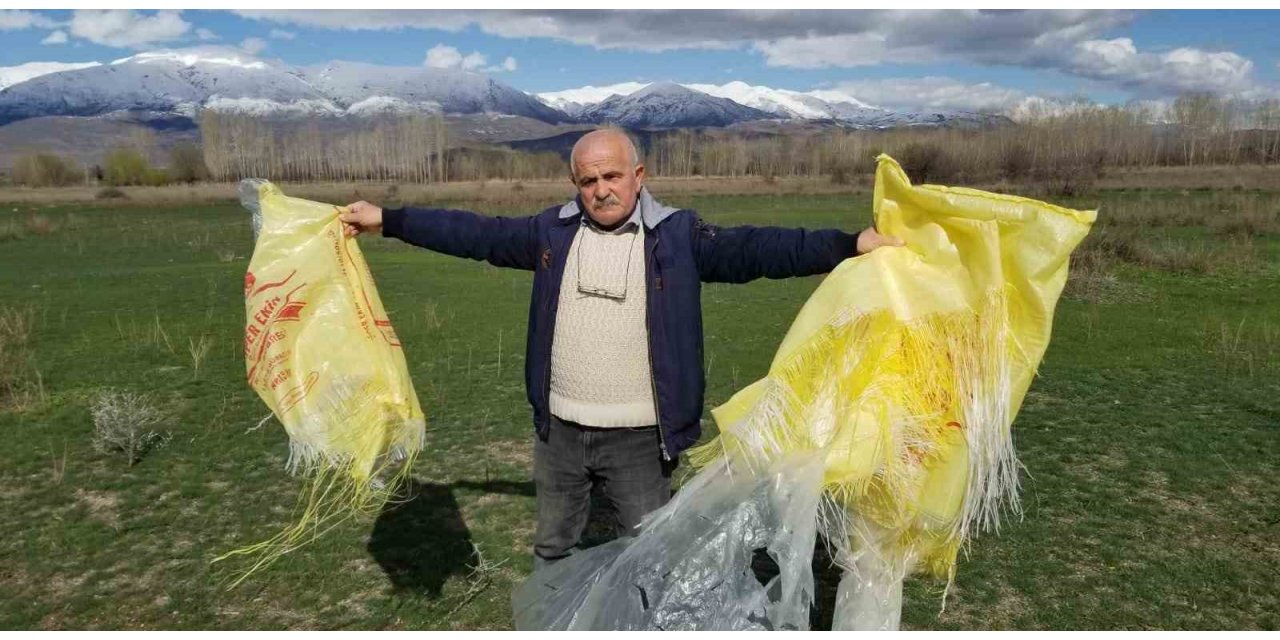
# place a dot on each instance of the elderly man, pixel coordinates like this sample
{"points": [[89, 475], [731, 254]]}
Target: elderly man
{"points": [[613, 363]]}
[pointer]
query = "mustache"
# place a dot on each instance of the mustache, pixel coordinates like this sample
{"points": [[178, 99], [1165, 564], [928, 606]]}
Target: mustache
{"points": [[612, 199]]}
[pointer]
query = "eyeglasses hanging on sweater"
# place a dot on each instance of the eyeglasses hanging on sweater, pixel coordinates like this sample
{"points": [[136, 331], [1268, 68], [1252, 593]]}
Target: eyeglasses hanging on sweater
{"points": [[603, 268]]}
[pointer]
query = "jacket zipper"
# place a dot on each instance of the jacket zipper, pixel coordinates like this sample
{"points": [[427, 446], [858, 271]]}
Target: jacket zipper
{"points": [[657, 414], [546, 379], [552, 301]]}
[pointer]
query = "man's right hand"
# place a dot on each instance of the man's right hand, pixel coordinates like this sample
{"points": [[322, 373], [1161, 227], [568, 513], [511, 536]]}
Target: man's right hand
{"points": [[361, 217]]}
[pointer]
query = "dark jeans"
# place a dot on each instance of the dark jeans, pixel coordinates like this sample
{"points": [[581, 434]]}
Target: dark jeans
{"points": [[626, 462]]}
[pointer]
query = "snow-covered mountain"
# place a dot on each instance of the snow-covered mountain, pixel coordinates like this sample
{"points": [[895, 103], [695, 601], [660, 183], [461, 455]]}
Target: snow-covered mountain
{"points": [[24, 72], [813, 105], [667, 104], [177, 83], [573, 101], [781, 103], [776, 103], [413, 88], [167, 88]]}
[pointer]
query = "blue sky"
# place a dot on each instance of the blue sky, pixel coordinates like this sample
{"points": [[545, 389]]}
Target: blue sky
{"points": [[942, 58]]}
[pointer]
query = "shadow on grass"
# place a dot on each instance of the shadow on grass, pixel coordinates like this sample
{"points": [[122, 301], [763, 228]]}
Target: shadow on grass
{"points": [[422, 540]]}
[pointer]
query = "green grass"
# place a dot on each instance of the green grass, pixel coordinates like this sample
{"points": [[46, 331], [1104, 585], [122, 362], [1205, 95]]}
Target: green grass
{"points": [[1150, 440]]}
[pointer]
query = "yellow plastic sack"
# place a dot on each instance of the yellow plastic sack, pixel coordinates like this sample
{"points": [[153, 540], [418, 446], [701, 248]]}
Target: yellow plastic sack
{"points": [[908, 365], [321, 353]]}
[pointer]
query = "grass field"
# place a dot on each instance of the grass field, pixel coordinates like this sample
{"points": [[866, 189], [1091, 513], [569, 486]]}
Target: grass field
{"points": [[1151, 439]]}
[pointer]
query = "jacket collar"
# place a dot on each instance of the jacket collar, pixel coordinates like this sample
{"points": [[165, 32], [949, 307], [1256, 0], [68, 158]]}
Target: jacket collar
{"points": [[651, 211]]}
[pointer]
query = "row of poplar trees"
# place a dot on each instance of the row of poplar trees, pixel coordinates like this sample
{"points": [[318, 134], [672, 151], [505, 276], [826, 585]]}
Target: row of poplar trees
{"points": [[411, 148], [1198, 129]]}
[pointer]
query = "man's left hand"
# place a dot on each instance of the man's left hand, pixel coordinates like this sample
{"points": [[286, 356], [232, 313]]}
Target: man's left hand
{"points": [[870, 240]]}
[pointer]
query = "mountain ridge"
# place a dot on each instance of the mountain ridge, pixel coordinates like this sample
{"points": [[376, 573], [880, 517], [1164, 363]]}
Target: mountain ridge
{"points": [[160, 87]]}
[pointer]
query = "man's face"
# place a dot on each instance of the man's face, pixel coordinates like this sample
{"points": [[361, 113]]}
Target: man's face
{"points": [[607, 182]]}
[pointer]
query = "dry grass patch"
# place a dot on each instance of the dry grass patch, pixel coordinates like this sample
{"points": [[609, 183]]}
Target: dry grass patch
{"points": [[1105, 247], [10, 230], [103, 506], [1211, 177], [1248, 347], [21, 385], [39, 225], [518, 453]]}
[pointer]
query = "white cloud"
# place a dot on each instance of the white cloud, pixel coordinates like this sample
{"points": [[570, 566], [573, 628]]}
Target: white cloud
{"points": [[27, 71], [357, 20], [473, 61], [1183, 69], [57, 37], [846, 50], [443, 56], [1068, 41], [935, 93], [15, 20], [658, 30], [253, 46], [281, 34], [1063, 41], [127, 28], [205, 34]]}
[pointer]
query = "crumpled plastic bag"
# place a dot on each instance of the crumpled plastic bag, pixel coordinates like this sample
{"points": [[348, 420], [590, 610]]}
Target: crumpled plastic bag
{"points": [[884, 424], [321, 353]]}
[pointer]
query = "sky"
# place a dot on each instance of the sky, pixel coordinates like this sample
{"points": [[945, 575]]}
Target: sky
{"points": [[959, 59]]}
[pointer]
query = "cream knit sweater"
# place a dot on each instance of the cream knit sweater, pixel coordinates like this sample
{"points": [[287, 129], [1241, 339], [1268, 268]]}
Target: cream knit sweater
{"points": [[600, 374]]}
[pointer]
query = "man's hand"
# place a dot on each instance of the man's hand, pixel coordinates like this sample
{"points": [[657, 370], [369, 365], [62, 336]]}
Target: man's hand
{"points": [[360, 217], [870, 240]]}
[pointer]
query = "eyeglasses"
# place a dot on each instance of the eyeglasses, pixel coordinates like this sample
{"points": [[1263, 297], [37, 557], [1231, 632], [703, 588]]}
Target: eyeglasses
{"points": [[605, 291]]}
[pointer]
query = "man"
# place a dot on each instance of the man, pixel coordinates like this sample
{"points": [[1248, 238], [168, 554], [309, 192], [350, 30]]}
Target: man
{"points": [[613, 365]]}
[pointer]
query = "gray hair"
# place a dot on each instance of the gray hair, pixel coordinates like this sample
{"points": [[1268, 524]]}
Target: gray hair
{"points": [[630, 144]]}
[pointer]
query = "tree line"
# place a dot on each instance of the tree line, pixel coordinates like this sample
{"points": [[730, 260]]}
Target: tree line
{"points": [[1198, 129], [407, 148], [1062, 145]]}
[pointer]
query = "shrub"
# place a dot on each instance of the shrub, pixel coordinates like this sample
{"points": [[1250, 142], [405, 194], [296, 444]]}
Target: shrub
{"points": [[186, 163], [126, 422], [155, 178], [842, 173], [1015, 161], [927, 162], [110, 193], [45, 170], [125, 167]]}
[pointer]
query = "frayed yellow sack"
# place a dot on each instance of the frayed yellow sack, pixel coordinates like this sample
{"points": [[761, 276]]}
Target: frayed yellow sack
{"points": [[321, 353], [906, 368]]}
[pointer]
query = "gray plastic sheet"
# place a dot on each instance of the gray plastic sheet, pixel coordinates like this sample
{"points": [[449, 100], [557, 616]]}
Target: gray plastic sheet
{"points": [[247, 190], [690, 566]]}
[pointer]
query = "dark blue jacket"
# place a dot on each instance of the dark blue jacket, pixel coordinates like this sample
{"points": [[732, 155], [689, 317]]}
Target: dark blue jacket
{"points": [[681, 252]]}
